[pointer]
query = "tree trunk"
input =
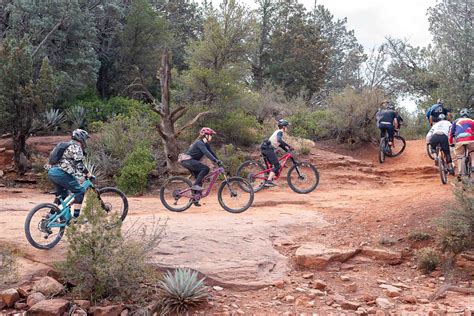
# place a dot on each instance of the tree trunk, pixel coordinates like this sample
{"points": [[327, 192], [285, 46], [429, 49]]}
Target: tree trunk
{"points": [[20, 153]]}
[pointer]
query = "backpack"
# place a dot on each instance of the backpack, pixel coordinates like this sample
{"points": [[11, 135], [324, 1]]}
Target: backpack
{"points": [[57, 152]]}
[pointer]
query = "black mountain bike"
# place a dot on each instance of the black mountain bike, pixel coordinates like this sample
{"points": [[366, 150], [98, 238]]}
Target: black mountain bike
{"points": [[398, 146], [440, 161]]}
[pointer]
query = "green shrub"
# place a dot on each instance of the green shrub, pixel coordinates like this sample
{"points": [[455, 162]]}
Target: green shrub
{"points": [[237, 127], [8, 264], [418, 236], [180, 291], [104, 263], [232, 157], [427, 259], [133, 177], [305, 150], [310, 125]]}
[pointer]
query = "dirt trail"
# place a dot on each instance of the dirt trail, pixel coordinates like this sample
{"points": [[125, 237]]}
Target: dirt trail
{"points": [[358, 201]]}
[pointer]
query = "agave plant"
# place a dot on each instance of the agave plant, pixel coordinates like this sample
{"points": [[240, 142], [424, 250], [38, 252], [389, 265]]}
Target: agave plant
{"points": [[49, 120], [180, 291], [77, 116]]}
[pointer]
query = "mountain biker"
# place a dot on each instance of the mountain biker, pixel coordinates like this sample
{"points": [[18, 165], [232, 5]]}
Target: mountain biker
{"points": [[387, 120], [191, 159], [438, 135], [433, 112], [65, 174], [462, 133], [269, 146]]}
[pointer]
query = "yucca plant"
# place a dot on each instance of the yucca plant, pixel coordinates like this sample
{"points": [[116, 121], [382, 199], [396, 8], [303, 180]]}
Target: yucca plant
{"points": [[180, 291], [49, 120], [77, 116]]}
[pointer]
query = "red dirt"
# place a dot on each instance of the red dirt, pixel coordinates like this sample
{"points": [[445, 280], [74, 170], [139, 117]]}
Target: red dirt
{"points": [[363, 202]]}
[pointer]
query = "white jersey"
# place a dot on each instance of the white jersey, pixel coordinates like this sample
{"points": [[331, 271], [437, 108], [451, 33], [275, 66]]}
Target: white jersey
{"points": [[441, 128], [274, 138]]}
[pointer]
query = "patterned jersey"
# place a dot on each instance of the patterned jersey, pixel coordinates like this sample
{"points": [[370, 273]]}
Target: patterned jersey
{"points": [[462, 130], [72, 160]]}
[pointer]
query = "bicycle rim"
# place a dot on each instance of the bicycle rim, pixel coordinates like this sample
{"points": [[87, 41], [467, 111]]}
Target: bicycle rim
{"points": [[170, 194], [303, 178], [428, 151], [115, 204], [397, 148], [249, 170], [36, 230], [443, 171], [382, 151], [232, 197]]}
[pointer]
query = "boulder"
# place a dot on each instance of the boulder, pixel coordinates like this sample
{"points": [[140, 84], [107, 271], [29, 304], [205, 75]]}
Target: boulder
{"points": [[409, 299], [34, 298], [318, 256], [391, 291], [384, 303], [24, 289], [349, 305], [387, 256], [83, 304], [20, 306], [2, 305], [111, 310], [319, 284], [48, 286], [54, 307], [9, 297]]}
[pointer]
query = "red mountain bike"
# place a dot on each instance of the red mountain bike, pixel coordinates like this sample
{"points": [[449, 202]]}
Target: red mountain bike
{"points": [[302, 177]]}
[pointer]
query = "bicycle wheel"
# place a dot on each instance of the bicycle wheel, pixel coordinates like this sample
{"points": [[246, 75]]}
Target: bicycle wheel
{"points": [[232, 197], [382, 150], [114, 202], [37, 233], [303, 177], [443, 169], [398, 146], [428, 151], [249, 170], [170, 194]]}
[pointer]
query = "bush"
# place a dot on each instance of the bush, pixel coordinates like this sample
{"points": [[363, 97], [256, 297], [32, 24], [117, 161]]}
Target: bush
{"points": [[237, 127], [311, 125], [427, 259], [418, 236], [305, 150], [119, 137], [179, 291], [232, 157], [133, 177], [103, 263], [8, 264], [456, 226]]}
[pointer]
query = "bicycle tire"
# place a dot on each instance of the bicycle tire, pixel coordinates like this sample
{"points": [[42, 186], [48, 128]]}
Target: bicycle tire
{"points": [[428, 151], [30, 238], [292, 185], [124, 211], [382, 150], [163, 199], [249, 175], [241, 182], [393, 154], [443, 171]]}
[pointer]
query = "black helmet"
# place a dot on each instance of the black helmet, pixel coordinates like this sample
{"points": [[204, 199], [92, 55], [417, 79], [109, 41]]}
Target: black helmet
{"points": [[283, 122], [80, 135]]}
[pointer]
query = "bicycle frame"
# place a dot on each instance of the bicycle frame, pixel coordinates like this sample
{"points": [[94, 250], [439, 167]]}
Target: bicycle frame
{"points": [[65, 209], [213, 175], [283, 159]]}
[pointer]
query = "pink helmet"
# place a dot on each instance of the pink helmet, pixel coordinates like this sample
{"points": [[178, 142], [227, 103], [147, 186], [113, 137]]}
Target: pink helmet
{"points": [[206, 131]]}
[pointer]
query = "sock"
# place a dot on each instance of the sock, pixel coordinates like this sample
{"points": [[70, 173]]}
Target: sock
{"points": [[76, 213]]}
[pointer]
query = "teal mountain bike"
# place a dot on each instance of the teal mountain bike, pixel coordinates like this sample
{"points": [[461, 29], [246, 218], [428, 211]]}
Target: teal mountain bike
{"points": [[45, 223]]}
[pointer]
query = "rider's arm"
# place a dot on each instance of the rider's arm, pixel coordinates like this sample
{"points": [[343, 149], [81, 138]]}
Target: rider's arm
{"points": [[282, 143], [452, 132], [206, 150]]}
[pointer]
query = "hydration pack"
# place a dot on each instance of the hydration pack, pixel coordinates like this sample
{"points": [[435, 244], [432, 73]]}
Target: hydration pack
{"points": [[57, 152]]}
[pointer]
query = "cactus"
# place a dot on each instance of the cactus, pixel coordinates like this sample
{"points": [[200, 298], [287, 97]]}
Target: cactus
{"points": [[180, 291]]}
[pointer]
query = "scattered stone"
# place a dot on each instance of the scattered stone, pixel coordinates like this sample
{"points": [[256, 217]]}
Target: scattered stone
{"points": [[217, 288], [347, 266], [409, 299], [52, 307], [423, 301], [436, 274], [308, 275], [391, 291], [34, 298], [387, 256], [80, 312], [240, 312], [380, 313], [20, 305], [84, 304], [368, 297], [9, 297], [384, 303], [24, 289], [349, 305], [317, 292], [318, 256], [2, 305], [310, 304], [402, 285], [351, 287], [111, 310], [279, 284], [379, 281], [345, 278], [289, 299], [319, 284], [298, 289], [48, 286], [411, 308], [361, 311]]}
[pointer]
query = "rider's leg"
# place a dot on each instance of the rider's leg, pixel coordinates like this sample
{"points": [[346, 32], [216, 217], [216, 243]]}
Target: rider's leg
{"points": [[391, 132], [459, 152], [199, 171], [273, 160], [444, 143]]}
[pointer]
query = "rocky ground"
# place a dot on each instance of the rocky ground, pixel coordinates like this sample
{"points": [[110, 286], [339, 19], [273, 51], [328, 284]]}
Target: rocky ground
{"points": [[342, 248]]}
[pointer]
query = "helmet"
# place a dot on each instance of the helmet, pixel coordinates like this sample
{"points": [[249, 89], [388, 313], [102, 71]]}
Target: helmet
{"points": [[390, 106], [465, 113], [441, 117], [80, 135], [206, 131], [283, 122]]}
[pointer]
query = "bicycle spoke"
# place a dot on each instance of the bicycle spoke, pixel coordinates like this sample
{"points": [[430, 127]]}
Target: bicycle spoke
{"points": [[233, 197], [176, 194], [43, 235]]}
